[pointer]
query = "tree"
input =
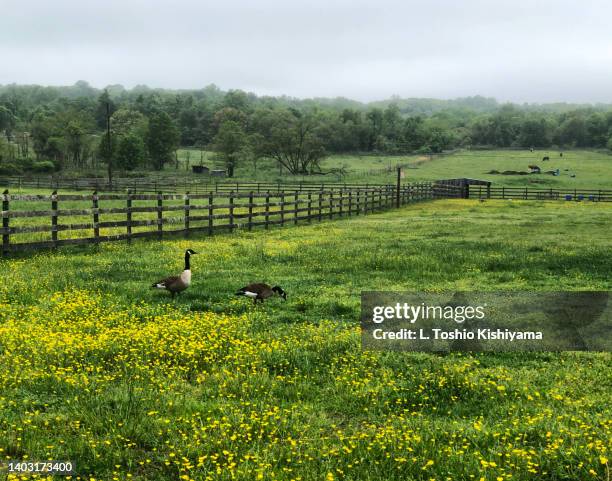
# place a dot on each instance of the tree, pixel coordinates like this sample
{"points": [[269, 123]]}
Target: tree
{"points": [[4, 150], [290, 139], [162, 139], [7, 121], [75, 141], [534, 133], [572, 131], [230, 143], [439, 140], [104, 105], [414, 135], [127, 121], [107, 150], [130, 151], [236, 99], [597, 129]]}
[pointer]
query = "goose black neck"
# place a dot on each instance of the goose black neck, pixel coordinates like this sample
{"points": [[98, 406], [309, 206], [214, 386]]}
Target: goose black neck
{"points": [[187, 255]]}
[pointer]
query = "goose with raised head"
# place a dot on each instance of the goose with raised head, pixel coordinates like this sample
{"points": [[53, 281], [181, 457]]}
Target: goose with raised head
{"points": [[177, 284]]}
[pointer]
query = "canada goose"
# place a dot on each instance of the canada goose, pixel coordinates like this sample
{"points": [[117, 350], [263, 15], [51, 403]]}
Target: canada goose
{"points": [[177, 284], [260, 292]]}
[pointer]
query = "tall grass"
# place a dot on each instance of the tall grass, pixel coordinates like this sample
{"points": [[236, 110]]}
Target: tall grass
{"points": [[97, 367]]}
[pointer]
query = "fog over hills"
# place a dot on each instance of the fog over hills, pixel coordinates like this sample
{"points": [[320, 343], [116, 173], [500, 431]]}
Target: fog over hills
{"points": [[513, 50]]}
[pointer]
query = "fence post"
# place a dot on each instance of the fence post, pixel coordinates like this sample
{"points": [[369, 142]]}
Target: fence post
{"points": [[187, 207], [267, 215], [350, 204], [358, 210], [489, 190], [331, 204], [6, 239], [210, 213], [160, 219], [250, 227], [365, 202], [231, 211], [128, 215], [54, 217], [282, 211], [399, 179], [320, 205], [96, 216], [341, 201], [295, 207], [309, 206]]}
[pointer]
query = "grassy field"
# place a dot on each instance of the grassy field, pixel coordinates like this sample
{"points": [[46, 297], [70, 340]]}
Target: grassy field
{"points": [[97, 367], [591, 169]]}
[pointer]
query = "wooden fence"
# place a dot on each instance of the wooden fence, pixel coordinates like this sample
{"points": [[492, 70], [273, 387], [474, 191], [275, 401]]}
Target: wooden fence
{"points": [[526, 193], [43, 221], [193, 184]]}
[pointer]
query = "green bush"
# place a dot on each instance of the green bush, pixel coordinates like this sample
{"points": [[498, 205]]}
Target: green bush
{"points": [[43, 166], [8, 168]]}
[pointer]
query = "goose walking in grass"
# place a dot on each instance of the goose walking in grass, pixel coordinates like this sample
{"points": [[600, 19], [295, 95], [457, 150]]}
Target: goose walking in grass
{"points": [[177, 284], [261, 292]]}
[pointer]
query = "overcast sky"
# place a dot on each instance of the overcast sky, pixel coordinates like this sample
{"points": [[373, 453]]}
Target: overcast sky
{"points": [[518, 50]]}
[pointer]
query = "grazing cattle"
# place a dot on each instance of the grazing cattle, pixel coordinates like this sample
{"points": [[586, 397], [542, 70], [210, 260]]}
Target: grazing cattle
{"points": [[545, 158], [534, 169]]}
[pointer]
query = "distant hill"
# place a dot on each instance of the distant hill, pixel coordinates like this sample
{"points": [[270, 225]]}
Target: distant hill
{"points": [[37, 94]]}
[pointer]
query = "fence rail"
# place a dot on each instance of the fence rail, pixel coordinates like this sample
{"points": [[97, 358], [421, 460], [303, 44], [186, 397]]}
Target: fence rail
{"points": [[526, 193], [31, 221], [42, 221], [170, 184]]}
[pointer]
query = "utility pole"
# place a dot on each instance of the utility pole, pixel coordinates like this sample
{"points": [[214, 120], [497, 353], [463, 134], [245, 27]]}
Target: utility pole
{"points": [[109, 146]]}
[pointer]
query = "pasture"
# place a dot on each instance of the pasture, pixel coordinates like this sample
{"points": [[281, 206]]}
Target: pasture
{"points": [[591, 168], [97, 367]]}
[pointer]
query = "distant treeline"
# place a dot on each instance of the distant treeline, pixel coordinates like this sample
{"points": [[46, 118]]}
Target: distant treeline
{"points": [[50, 128]]}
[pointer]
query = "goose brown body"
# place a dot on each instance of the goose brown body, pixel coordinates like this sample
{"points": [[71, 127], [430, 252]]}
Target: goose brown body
{"points": [[177, 284], [260, 292]]}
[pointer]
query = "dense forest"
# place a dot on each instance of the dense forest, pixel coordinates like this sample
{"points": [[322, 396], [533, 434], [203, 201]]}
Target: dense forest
{"points": [[46, 129]]}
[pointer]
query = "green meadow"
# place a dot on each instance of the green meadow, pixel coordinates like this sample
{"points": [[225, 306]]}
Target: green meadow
{"points": [[579, 169], [591, 169], [97, 367]]}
